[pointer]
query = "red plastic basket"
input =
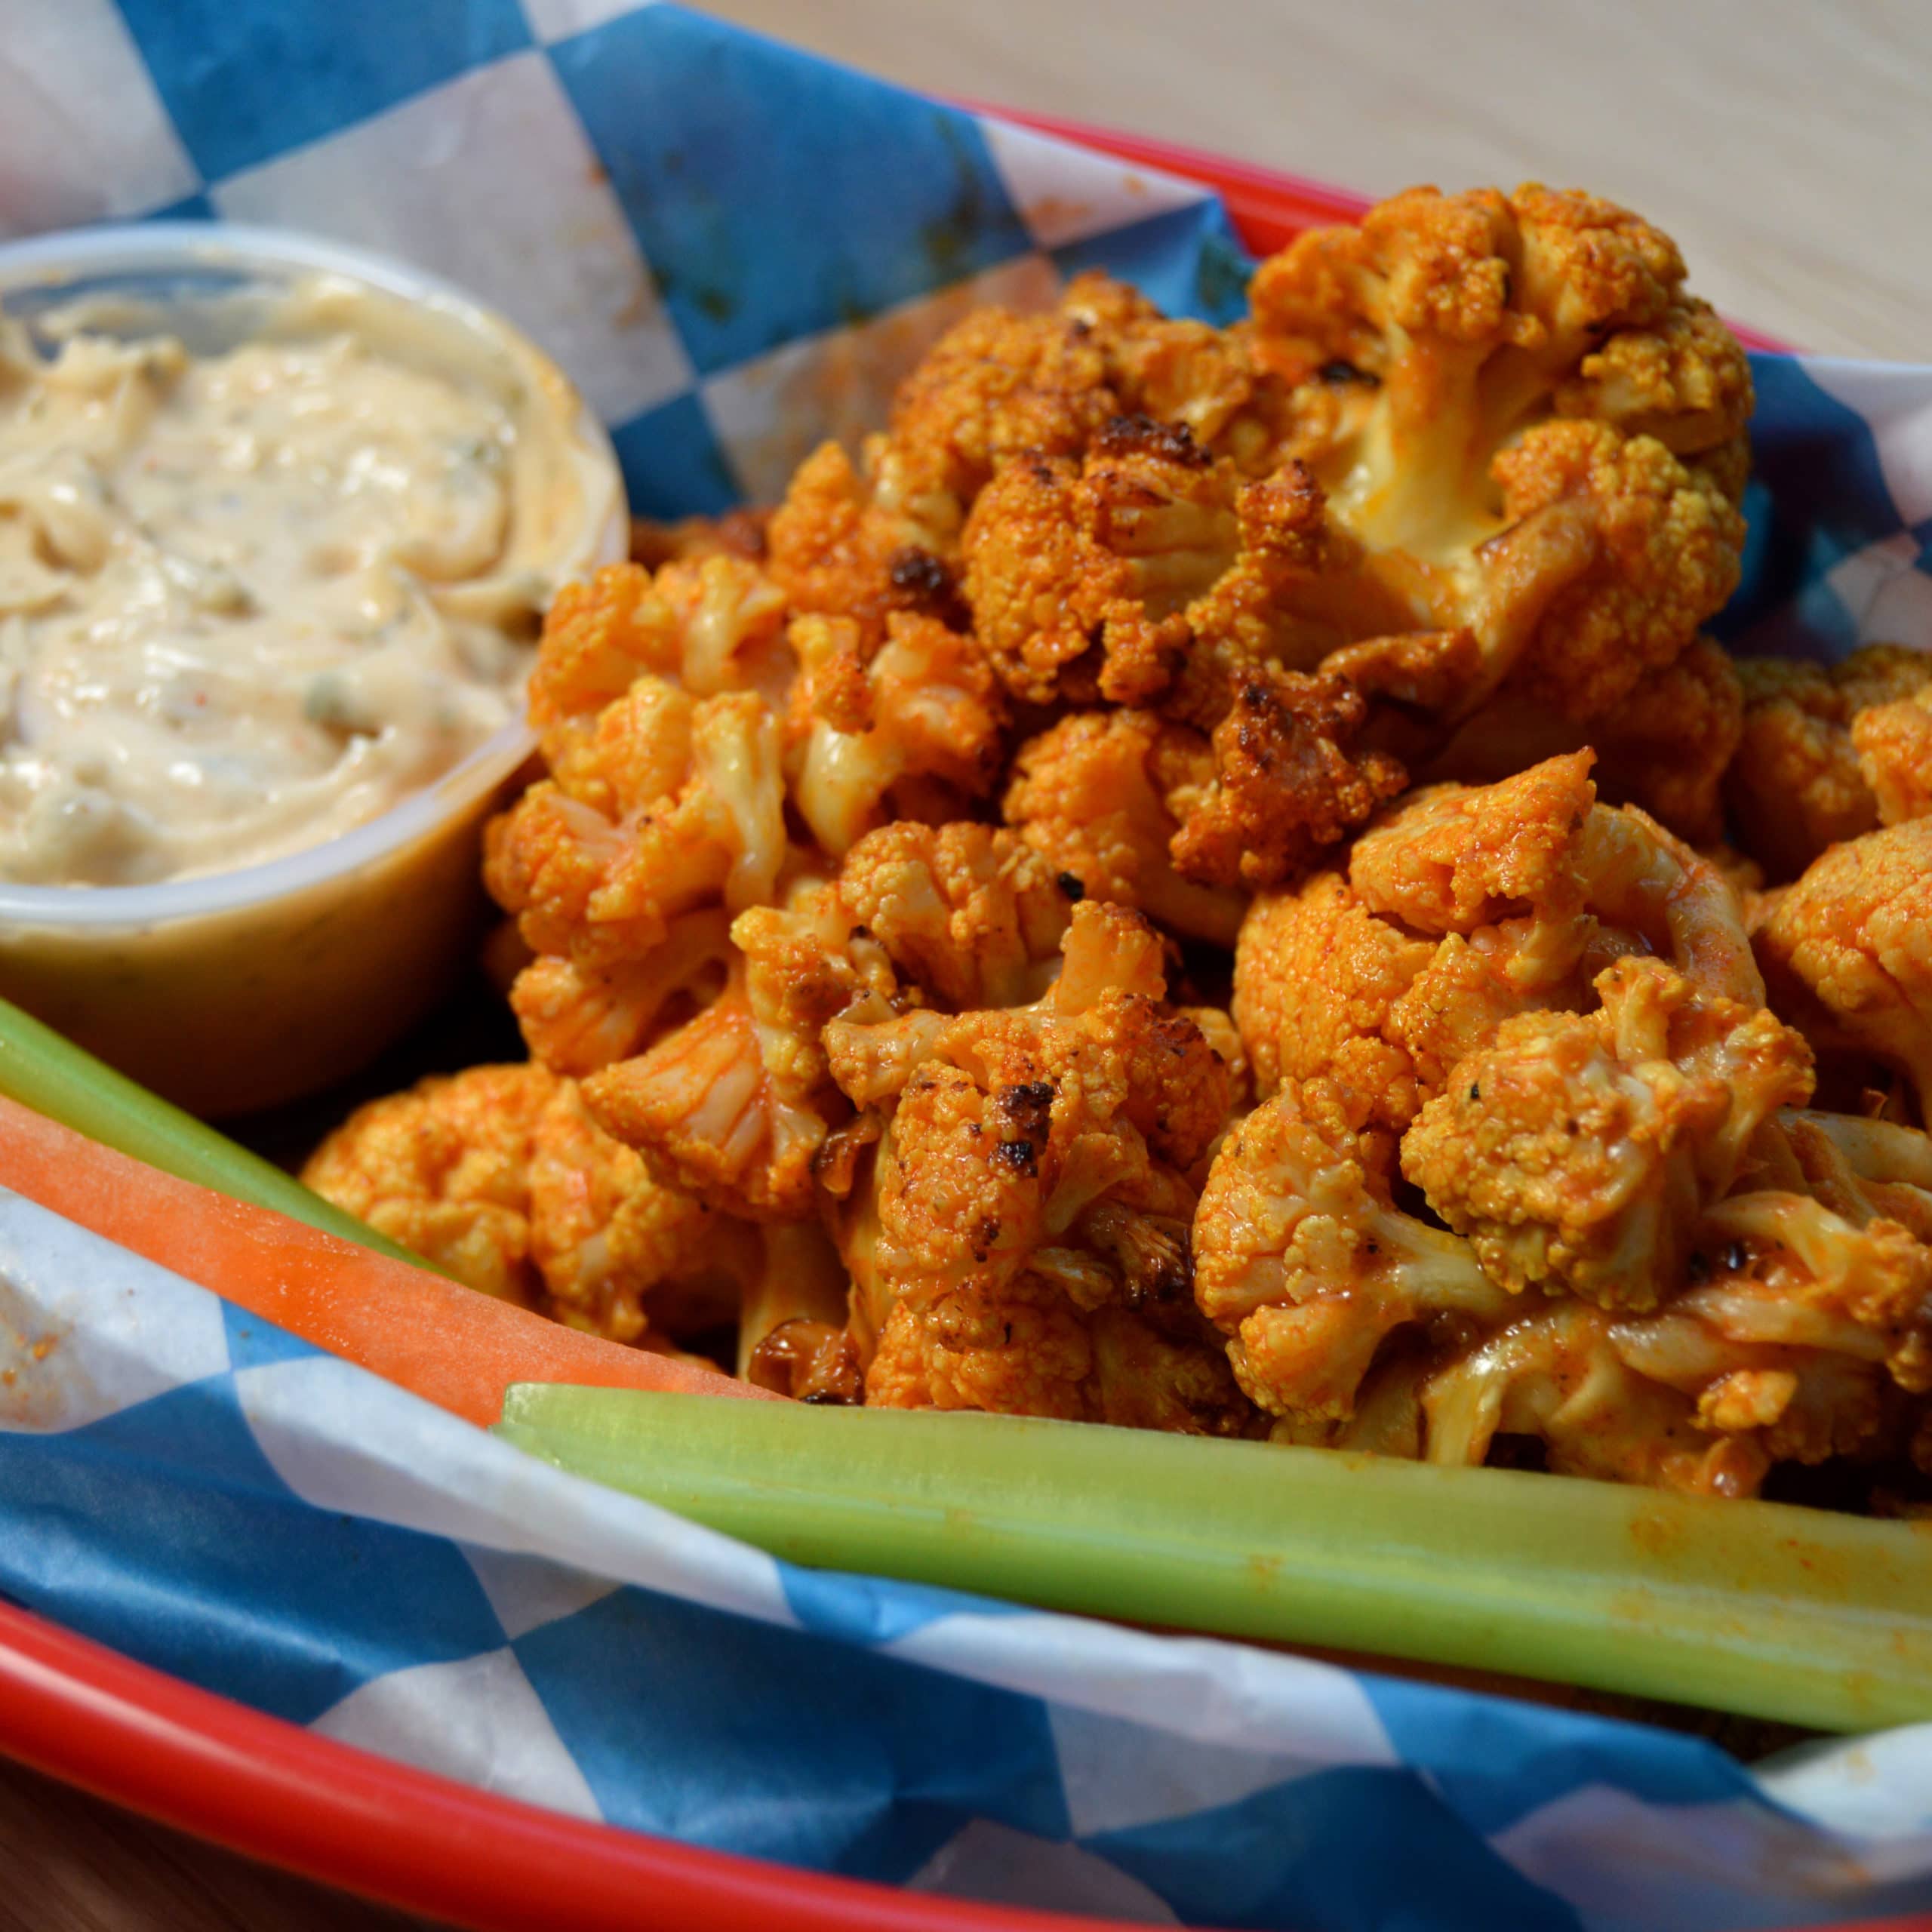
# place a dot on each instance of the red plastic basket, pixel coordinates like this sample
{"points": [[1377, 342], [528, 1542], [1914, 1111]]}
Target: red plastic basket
{"points": [[283, 1795]]}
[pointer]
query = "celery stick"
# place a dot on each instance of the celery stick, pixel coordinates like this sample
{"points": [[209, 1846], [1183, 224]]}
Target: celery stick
{"points": [[1762, 1609], [53, 1076]]}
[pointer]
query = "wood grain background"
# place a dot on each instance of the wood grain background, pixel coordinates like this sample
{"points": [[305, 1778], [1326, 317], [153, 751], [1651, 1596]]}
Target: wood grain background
{"points": [[1786, 143]]}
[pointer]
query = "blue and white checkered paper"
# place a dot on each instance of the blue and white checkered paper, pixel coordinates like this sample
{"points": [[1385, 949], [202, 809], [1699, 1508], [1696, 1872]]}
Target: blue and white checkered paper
{"points": [[735, 249], [193, 1486]]}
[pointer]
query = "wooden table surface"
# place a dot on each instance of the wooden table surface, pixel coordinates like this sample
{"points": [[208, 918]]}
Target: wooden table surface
{"points": [[1785, 143]]}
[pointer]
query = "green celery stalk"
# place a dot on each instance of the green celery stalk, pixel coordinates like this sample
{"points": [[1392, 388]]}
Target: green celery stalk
{"points": [[43, 1071], [1761, 1609]]}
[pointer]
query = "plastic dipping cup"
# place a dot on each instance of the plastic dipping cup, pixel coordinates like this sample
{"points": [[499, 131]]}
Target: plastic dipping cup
{"points": [[239, 990]]}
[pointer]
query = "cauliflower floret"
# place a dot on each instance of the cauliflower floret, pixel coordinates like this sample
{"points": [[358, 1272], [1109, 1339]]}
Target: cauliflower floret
{"points": [[1818, 744], [1609, 557], [444, 1169], [1017, 1225], [1095, 796], [1181, 371], [575, 1019], [915, 728], [733, 1101], [1461, 907], [735, 1104], [1476, 315], [996, 386], [1894, 745], [1537, 852], [1685, 380], [968, 915], [1534, 889], [1848, 951], [1798, 1328], [1790, 1272], [1666, 747], [1020, 1350], [1148, 570], [1806, 1321], [1294, 593], [1317, 976], [499, 1175], [1071, 565], [1218, 1029], [1578, 1150], [1289, 779], [1548, 437], [654, 700], [999, 387], [669, 802], [1302, 1260], [835, 550], [1556, 1374], [1862, 1169], [1454, 859], [714, 625], [618, 1249], [829, 545]]}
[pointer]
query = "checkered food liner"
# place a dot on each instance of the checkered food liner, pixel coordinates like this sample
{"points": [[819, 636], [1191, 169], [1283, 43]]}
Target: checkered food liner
{"points": [[735, 249]]}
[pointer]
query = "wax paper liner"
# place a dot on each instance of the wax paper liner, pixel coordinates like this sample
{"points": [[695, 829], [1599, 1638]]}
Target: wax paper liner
{"points": [[735, 249]]}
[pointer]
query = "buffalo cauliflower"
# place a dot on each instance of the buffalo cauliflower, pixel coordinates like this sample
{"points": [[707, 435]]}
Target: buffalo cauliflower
{"points": [[1542, 436], [1848, 952], [500, 1176], [834, 550], [652, 696], [735, 1104], [1289, 779], [1578, 1150], [1317, 976], [664, 804], [1460, 907], [1099, 796], [716, 624], [444, 1170], [998, 388], [1557, 1376], [913, 728], [1667, 746], [1176, 370], [1820, 744], [869, 920], [1014, 1208], [1146, 569], [1072, 563], [1302, 1259], [1893, 741], [995, 387], [1799, 1328], [687, 730]]}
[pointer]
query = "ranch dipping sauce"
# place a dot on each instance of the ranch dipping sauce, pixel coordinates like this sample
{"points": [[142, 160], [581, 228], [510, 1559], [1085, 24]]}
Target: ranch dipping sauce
{"points": [[252, 599]]}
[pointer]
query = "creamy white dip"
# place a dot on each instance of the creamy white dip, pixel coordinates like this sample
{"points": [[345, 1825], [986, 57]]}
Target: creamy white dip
{"points": [[250, 600]]}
